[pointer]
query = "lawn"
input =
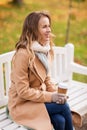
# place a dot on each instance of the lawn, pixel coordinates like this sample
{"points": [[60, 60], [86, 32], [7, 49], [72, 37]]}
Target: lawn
{"points": [[12, 17]]}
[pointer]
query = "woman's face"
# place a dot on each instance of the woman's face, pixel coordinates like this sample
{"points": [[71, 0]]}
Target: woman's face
{"points": [[44, 30]]}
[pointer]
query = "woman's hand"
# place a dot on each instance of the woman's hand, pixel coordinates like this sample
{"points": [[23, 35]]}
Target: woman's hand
{"points": [[59, 98]]}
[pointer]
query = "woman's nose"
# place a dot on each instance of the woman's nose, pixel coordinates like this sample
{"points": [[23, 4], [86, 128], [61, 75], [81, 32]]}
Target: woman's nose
{"points": [[49, 29]]}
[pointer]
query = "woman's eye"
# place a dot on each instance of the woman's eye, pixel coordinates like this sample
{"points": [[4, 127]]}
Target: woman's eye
{"points": [[45, 26]]}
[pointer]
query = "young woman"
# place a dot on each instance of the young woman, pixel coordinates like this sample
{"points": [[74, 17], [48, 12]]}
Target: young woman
{"points": [[33, 99]]}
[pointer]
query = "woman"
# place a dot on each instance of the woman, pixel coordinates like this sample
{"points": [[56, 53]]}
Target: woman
{"points": [[33, 99]]}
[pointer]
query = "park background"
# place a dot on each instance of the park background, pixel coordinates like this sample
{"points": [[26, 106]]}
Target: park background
{"points": [[69, 24]]}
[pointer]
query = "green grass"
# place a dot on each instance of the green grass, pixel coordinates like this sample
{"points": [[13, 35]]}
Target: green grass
{"points": [[12, 17]]}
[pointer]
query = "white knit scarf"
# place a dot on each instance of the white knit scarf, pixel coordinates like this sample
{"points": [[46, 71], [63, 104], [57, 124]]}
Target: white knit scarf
{"points": [[42, 53]]}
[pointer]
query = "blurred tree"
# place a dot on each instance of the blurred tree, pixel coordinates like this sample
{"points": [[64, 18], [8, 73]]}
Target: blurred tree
{"points": [[17, 2], [79, 0], [69, 18], [68, 22]]}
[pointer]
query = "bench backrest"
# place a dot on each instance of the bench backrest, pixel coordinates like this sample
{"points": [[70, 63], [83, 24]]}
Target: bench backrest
{"points": [[63, 56], [5, 70]]}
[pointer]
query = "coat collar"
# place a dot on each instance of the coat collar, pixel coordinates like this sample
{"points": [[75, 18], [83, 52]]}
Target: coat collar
{"points": [[38, 69]]}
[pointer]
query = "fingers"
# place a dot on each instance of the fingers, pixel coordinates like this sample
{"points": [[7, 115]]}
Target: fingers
{"points": [[63, 95], [59, 98], [62, 99]]}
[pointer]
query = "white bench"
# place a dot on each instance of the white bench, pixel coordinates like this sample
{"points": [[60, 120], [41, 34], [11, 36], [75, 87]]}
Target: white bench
{"points": [[62, 70]]}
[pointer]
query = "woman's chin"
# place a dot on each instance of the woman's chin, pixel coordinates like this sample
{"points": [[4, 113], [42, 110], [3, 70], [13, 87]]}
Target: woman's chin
{"points": [[47, 40]]}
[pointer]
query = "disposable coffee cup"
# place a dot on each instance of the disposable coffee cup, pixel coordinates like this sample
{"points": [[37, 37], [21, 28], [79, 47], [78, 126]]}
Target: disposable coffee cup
{"points": [[62, 88]]}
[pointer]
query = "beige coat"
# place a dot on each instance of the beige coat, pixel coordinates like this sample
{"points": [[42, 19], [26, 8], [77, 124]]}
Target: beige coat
{"points": [[28, 92]]}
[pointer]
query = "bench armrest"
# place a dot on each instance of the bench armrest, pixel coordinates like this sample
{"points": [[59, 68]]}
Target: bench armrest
{"points": [[77, 68]]}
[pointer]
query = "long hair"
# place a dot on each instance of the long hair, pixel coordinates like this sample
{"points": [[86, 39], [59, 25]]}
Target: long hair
{"points": [[30, 31]]}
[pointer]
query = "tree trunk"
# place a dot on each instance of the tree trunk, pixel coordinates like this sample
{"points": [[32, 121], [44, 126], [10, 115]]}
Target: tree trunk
{"points": [[68, 22], [18, 2]]}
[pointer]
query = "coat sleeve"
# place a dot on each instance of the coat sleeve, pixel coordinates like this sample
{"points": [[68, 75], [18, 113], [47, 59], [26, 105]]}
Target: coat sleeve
{"points": [[21, 80], [50, 86]]}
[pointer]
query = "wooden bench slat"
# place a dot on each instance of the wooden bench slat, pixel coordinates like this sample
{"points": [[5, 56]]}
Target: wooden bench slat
{"points": [[5, 123], [84, 110], [78, 84], [74, 88], [2, 110], [78, 98], [12, 126], [77, 94], [3, 116], [76, 104], [81, 105], [21, 128]]}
